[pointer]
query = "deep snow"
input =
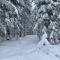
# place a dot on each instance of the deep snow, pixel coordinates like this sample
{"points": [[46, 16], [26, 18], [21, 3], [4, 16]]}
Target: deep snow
{"points": [[29, 48]]}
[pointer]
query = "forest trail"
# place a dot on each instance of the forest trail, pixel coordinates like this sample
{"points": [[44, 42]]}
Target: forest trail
{"points": [[28, 48]]}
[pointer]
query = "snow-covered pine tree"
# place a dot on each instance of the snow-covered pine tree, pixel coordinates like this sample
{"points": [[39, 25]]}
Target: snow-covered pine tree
{"points": [[49, 11]]}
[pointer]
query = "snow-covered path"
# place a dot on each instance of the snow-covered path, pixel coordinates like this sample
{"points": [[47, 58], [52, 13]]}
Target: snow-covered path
{"points": [[28, 48]]}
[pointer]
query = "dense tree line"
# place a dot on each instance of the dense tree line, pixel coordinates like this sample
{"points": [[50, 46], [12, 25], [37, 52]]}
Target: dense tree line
{"points": [[27, 17]]}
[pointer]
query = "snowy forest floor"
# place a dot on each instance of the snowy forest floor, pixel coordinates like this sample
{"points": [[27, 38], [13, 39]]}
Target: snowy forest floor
{"points": [[29, 48]]}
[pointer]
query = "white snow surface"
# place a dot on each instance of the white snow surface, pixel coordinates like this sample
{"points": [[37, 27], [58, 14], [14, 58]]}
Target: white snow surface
{"points": [[29, 48]]}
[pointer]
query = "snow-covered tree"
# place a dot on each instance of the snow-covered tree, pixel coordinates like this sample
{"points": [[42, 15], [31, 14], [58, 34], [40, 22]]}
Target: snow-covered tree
{"points": [[47, 14], [9, 19], [15, 17]]}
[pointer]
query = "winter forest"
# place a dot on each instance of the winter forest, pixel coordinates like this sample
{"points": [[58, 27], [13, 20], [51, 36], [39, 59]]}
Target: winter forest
{"points": [[35, 23]]}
